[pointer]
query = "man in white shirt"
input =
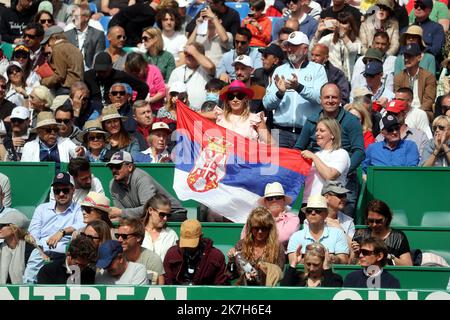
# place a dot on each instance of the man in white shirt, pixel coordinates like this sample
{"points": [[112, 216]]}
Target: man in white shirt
{"points": [[115, 269], [195, 74]]}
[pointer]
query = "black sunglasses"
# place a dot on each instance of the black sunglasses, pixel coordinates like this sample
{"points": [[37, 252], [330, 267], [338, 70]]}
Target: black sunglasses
{"points": [[262, 228], [18, 121], [377, 221], [117, 166], [115, 93], [42, 21], [89, 236], [442, 128], [340, 196], [393, 128], [2, 225], [21, 55], [124, 236], [87, 209], [50, 130], [232, 95], [240, 42], [59, 190], [96, 137], [13, 71], [121, 37], [316, 210], [30, 36], [384, 8], [419, 5], [272, 198], [65, 121], [145, 38], [366, 252]]}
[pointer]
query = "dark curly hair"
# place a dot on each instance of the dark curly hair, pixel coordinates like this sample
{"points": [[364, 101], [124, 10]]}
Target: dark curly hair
{"points": [[172, 12], [83, 247]]}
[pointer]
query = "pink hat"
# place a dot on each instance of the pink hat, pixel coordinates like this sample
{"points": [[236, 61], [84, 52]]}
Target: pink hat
{"points": [[234, 86]]}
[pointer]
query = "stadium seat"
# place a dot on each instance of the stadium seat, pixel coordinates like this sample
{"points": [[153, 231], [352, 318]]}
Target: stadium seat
{"points": [[436, 219], [275, 30], [104, 21], [241, 7], [400, 219]]}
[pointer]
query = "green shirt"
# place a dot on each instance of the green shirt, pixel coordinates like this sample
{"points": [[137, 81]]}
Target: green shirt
{"points": [[440, 11], [428, 63], [7, 49], [164, 61]]}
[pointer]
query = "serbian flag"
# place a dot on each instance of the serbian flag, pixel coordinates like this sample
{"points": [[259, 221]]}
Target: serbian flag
{"points": [[227, 172]]}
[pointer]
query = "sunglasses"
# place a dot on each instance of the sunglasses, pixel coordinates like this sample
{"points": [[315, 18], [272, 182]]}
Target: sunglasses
{"points": [[59, 190], [115, 93], [419, 6], [124, 236], [394, 128], [384, 8], [65, 121], [121, 37], [262, 228], [145, 38], [2, 225], [18, 121], [29, 36], [89, 236], [42, 21], [13, 71], [21, 55], [117, 166], [340, 196], [316, 210], [239, 95], [240, 42], [375, 221], [366, 252], [96, 137], [88, 210], [50, 130], [442, 128], [272, 198]]}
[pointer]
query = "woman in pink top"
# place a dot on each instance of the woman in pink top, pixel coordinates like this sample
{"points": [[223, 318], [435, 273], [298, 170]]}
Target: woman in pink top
{"points": [[236, 115], [276, 202], [137, 66]]}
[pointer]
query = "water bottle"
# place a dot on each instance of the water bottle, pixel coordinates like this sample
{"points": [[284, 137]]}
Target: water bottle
{"points": [[245, 267]]}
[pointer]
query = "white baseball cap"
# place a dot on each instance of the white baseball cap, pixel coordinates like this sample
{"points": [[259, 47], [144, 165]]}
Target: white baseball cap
{"points": [[245, 60], [177, 86], [297, 38], [20, 113]]}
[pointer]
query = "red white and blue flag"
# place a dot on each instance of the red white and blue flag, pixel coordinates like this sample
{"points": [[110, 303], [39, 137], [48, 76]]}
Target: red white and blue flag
{"points": [[227, 172]]}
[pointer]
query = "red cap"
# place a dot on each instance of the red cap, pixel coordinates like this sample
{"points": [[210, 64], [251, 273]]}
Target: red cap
{"points": [[396, 106]]}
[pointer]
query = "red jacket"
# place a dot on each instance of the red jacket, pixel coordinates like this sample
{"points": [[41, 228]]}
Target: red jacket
{"points": [[210, 270]]}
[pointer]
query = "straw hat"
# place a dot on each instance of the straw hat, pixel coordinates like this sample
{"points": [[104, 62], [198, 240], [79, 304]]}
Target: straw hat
{"points": [[44, 118], [94, 126], [97, 201], [110, 112], [413, 30], [274, 189], [316, 201]]}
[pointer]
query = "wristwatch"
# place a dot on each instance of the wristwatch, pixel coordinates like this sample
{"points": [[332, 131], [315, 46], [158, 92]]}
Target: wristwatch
{"points": [[63, 232]]}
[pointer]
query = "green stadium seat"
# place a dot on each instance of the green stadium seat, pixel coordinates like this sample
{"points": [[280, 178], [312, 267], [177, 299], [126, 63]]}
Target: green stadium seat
{"points": [[436, 219], [400, 219], [26, 210]]}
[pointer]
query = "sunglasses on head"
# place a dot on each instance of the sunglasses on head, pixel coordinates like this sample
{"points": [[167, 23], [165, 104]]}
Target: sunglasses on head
{"points": [[442, 128], [117, 166], [316, 210], [375, 221], [65, 121], [29, 36], [96, 137], [115, 93], [232, 95], [121, 37], [272, 198], [42, 21], [124, 236], [2, 225], [366, 252], [87, 209], [393, 128], [89, 236], [50, 130], [18, 121], [59, 190]]}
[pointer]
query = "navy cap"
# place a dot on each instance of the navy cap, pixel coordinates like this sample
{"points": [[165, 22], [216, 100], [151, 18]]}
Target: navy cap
{"points": [[102, 61], [274, 50], [62, 178], [426, 3], [373, 67], [389, 121], [412, 49], [107, 252]]}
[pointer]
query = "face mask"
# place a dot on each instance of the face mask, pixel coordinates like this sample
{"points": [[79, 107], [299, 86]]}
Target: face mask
{"points": [[212, 96]]}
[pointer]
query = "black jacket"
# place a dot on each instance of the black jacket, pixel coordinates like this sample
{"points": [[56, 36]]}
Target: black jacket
{"points": [[358, 279], [56, 273], [93, 84], [292, 278]]}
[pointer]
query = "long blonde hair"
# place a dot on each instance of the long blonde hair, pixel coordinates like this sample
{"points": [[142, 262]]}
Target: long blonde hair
{"points": [[366, 122], [335, 129], [261, 216]]}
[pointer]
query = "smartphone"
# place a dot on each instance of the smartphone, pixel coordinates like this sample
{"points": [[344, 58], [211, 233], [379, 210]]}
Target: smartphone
{"points": [[202, 28]]}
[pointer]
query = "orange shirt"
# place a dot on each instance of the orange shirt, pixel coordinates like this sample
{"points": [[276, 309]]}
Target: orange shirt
{"points": [[260, 38]]}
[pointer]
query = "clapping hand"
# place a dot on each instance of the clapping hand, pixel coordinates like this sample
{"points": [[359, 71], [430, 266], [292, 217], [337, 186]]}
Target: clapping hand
{"points": [[293, 83]]}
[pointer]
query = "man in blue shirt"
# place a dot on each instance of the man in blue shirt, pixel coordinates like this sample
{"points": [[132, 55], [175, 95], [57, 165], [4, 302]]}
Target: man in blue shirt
{"points": [[294, 93], [52, 225], [225, 70], [393, 151]]}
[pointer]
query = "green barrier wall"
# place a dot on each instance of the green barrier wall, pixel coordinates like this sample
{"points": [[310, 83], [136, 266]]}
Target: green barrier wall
{"points": [[410, 191], [97, 292]]}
